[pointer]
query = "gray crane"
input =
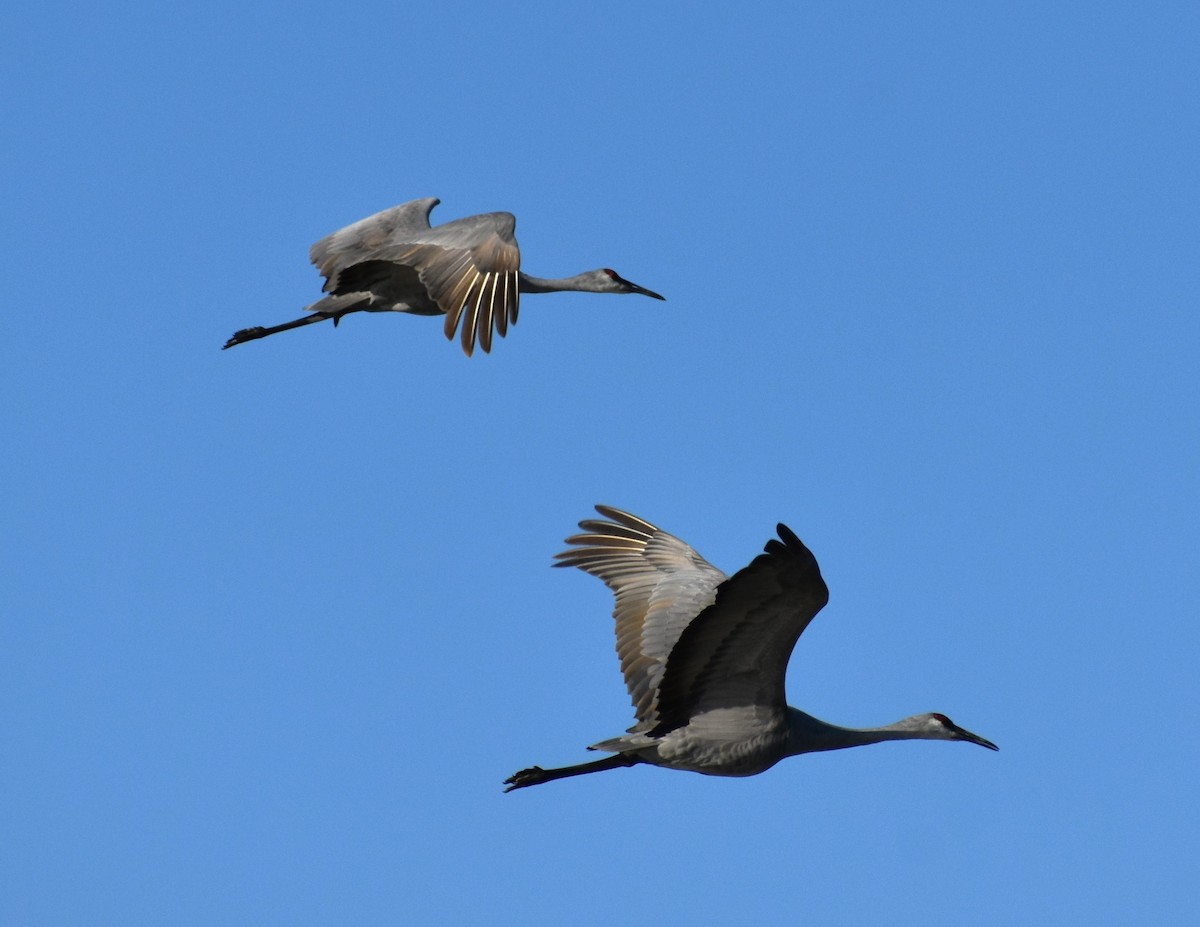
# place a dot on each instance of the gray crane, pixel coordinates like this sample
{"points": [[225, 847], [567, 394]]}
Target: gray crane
{"points": [[467, 269], [704, 655]]}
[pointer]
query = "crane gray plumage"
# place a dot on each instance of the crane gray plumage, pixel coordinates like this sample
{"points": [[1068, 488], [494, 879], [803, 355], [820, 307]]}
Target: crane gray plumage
{"points": [[705, 655], [468, 269]]}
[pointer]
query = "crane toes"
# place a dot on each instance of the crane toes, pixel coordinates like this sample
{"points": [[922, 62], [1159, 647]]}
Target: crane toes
{"points": [[244, 334], [534, 775]]}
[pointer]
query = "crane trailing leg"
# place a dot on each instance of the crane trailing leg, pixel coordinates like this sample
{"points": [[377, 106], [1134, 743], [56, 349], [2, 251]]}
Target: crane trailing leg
{"points": [[535, 775], [259, 331]]}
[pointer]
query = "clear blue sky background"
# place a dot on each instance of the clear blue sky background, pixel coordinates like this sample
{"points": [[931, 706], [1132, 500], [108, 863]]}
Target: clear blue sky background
{"points": [[278, 621]]}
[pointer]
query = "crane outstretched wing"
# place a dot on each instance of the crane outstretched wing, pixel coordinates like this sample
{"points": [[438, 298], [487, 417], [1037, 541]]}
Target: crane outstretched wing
{"points": [[735, 653], [660, 585]]}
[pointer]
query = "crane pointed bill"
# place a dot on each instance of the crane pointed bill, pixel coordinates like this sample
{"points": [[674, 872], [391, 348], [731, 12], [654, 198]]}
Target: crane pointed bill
{"points": [[645, 292], [966, 735], [634, 288]]}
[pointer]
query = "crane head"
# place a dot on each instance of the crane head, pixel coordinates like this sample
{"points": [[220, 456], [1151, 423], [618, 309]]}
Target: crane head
{"points": [[947, 730], [618, 284]]}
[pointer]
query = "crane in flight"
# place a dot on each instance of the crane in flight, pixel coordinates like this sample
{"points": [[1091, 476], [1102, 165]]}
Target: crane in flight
{"points": [[704, 655], [468, 270]]}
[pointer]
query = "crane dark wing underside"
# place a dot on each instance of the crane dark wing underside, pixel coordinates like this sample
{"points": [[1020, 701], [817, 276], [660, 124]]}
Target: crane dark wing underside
{"points": [[389, 287], [735, 652]]}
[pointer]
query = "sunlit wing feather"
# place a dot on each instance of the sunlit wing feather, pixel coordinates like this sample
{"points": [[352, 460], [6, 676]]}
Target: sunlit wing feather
{"points": [[465, 265], [660, 584]]}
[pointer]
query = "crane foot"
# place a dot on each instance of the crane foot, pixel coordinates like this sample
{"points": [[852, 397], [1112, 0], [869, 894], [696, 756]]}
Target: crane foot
{"points": [[245, 334], [534, 775]]}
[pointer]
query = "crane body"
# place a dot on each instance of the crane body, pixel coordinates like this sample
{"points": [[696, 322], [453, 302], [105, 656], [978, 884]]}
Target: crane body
{"points": [[704, 655], [467, 270]]}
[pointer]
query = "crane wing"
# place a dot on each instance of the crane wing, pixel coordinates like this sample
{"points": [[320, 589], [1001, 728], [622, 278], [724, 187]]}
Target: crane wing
{"points": [[470, 268], [735, 653], [466, 269], [376, 237], [660, 585]]}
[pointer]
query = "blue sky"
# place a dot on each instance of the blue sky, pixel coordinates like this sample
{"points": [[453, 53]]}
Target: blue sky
{"points": [[279, 620]]}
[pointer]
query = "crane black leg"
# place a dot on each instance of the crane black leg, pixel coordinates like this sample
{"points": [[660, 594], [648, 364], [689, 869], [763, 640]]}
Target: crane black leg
{"points": [[260, 331], [535, 775]]}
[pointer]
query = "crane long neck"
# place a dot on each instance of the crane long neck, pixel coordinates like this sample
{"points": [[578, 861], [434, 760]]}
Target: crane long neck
{"points": [[812, 735], [531, 284]]}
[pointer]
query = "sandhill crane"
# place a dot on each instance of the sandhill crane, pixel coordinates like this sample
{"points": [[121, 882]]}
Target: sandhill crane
{"points": [[704, 655], [467, 269]]}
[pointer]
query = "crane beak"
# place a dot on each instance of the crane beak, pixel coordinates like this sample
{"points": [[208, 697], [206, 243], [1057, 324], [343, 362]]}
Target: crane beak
{"points": [[634, 288], [964, 734]]}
